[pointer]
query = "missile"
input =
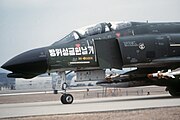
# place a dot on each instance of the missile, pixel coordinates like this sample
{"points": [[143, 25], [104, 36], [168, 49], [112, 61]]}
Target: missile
{"points": [[166, 75]]}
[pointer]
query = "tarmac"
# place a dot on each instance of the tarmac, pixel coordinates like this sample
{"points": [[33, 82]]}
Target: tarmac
{"points": [[93, 105]]}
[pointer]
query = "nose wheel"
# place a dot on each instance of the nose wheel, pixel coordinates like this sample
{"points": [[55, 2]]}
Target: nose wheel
{"points": [[67, 98]]}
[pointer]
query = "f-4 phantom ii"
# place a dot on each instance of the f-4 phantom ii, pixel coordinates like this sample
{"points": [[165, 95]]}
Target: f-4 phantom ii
{"points": [[152, 48]]}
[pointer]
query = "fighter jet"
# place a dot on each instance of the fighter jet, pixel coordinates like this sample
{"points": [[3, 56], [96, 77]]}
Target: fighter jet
{"points": [[152, 48]]}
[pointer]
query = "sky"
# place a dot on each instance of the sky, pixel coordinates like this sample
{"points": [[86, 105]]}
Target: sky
{"points": [[29, 24]]}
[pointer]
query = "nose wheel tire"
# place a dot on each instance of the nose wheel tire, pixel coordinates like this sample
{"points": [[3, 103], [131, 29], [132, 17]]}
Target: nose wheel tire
{"points": [[67, 99]]}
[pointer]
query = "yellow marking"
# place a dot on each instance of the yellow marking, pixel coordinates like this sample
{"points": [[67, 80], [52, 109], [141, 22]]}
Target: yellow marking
{"points": [[80, 58], [87, 58]]}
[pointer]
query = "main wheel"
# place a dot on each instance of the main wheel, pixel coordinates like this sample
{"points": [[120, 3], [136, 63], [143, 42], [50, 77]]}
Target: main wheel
{"points": [[174, 92], [67, 98]]}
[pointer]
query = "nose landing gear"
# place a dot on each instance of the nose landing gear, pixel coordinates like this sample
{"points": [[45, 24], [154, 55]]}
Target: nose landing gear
{"points": [[66, 98], [62, 85]]}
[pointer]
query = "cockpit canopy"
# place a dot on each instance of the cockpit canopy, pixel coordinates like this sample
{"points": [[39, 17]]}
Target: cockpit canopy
{"points": [[94, 30]]}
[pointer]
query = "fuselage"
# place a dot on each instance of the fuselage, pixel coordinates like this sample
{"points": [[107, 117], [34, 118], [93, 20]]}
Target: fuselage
{"points": [[104, 46]]}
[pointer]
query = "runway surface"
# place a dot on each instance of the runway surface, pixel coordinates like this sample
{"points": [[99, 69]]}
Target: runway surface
{"points": [[33, 92], [88, 105]]}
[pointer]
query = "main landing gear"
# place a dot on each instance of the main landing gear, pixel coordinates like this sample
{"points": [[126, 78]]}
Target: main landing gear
{"points": [[174, 91]]}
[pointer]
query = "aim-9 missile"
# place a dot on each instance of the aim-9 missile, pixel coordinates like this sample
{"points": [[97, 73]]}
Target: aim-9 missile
{"points": [[160, 74]]}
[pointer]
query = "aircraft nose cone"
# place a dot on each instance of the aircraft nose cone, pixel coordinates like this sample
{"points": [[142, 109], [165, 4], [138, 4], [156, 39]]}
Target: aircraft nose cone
{"points": [[4, 66], [31, 62]]}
